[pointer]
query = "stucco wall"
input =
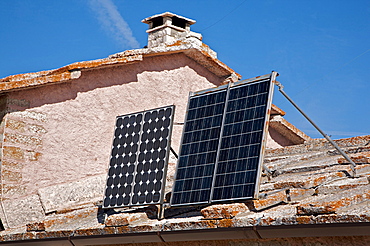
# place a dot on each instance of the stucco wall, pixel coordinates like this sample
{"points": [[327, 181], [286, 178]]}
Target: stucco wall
{"points": [[63, 132]]}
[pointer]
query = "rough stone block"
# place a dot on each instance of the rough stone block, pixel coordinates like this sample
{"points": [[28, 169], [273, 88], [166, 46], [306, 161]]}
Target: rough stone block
{"points": [[22, 127], [12, 165], [332, 203], [62, 196], [296, 194], [341, 185], [307, 181], [22, 211], [79, 218], [37, 116], [13, 191], [11, 176], [223, 211], [15, 125], [270, 200], [22, 139], [123, 219], [13, 152], [36, 226], [362, 157]]}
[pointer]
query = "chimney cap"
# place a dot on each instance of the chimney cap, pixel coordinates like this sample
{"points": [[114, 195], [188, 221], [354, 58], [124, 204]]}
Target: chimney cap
{"points": [[168, 14]]}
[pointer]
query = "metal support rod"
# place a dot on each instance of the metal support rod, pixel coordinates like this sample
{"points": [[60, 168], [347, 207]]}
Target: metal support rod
{"points": [[268, 171], [174, 153], [160, 212], [353, 165]]}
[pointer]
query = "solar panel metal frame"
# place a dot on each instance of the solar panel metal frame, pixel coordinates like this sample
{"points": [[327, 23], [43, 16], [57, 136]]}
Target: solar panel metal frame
{"points": [[271, 77], [193, 94], [166, 158]]}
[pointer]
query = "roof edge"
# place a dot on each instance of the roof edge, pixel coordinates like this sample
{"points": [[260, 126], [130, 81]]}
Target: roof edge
{"points": [[252, 232], [200, 53]]}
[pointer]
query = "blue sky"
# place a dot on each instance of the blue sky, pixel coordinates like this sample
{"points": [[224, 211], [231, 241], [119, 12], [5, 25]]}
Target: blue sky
{"points": [[321, 49]]}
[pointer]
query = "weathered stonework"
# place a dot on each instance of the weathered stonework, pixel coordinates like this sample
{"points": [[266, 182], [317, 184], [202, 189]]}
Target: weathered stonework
{"points": [[223, 211]]}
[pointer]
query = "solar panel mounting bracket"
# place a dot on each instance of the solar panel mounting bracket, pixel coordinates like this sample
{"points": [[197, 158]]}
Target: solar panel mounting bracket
{"points": [[353, 164]]}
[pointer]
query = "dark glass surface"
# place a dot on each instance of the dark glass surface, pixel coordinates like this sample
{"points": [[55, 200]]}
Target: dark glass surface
{"points": [[199, 148], [241, 142], [238, 129], [136, 170]]}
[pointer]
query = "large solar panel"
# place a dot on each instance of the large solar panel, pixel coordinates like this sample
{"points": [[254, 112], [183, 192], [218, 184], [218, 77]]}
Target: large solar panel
{"points": [[223, 141], [138, 163]]}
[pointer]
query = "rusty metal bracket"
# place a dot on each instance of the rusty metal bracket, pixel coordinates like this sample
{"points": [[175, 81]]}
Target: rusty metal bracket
{"points": [[353, 165]]}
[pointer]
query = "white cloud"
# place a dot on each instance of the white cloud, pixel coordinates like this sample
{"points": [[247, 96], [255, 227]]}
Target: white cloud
{"points": [[113, 23]]}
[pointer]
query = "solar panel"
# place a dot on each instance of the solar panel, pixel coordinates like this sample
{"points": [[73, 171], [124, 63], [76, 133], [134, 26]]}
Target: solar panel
{"points": [[199, 148], [223, 164], [138, 162]]}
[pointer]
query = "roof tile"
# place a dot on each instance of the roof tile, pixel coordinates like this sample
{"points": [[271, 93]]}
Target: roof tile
{"points": [[331, 203], [362, 157], [340, 185], [269, 200], [223, 211], [308, 180]]}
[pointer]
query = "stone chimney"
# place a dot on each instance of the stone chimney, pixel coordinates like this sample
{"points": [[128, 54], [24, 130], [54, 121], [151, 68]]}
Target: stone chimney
{"points": [[169, 28]]}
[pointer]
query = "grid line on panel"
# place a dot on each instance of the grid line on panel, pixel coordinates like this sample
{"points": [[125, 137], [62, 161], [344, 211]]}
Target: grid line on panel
{"points": [[235, 154], [199, 148], [123, 159], [140, 149], [241, 142]]}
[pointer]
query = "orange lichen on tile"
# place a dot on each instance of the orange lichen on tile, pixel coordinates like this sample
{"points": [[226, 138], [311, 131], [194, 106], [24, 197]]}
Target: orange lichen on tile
{"points": [[296, 194], [190, 225], [16, 84], [65, 73], [353, 141], [330, 204], [223, 211], [304, 220], [270, 200], [307, 181], [177, 43], [218, 63], [36, 226], [275, 110], [362, 157], [226, 223]]}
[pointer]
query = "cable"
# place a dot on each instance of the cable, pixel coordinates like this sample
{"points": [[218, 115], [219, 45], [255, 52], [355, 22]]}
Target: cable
{"points": [[224, 16]]}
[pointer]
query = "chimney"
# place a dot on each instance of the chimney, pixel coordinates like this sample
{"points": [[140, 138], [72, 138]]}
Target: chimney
{"points": [[168, 28]]}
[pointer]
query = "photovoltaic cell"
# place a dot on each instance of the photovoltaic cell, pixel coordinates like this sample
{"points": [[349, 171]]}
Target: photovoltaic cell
{"points": [[241, 141], [223, 164], [199, 148], [139, 158]]}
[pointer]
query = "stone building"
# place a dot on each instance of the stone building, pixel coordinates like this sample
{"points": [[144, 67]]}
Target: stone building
{"points": [[57, 129]]}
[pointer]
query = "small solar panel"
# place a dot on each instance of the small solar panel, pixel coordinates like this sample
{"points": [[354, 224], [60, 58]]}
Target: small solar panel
{"points": [[138, 163], [221, 152]]}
